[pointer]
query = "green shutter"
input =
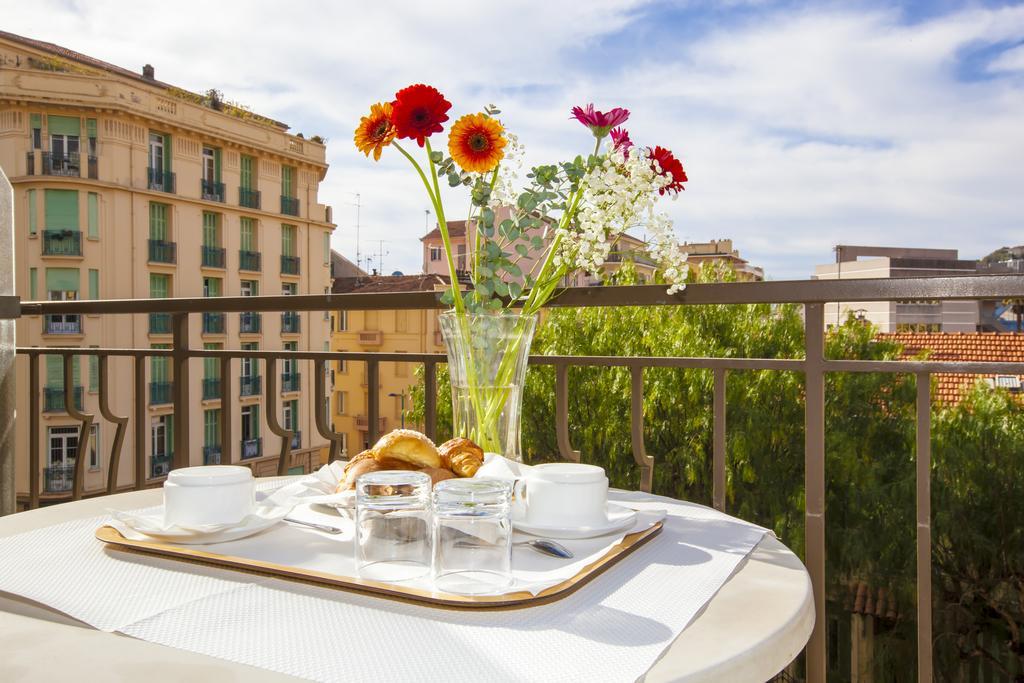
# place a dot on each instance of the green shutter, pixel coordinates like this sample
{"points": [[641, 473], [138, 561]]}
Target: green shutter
{"points": [[94, 215], [61, 207], [159, 286], [158, 365], [54, 372], [62, 280], [94, 283], [94, 373], [90, 128], [211, 427], [33, 288], [37, 120], [288, 240], [248, 234], [246, 172], [287, 184], [210, 236], [327, 248], [216, 164], [32, 219], [64, 125], [158, 221], [167, 154], [211, 366]]}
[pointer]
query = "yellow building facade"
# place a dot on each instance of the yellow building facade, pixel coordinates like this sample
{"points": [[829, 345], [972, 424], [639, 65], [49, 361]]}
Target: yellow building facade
{"points": [[129, 188]]}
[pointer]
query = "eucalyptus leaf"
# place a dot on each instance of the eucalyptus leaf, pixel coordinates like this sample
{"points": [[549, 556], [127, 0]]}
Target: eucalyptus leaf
{"points": [[522, 250], [436, 157]]}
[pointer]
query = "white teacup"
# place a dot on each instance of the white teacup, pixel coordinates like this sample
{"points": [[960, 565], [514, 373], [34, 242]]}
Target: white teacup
{"points": [[563, 494], [209, 495]]}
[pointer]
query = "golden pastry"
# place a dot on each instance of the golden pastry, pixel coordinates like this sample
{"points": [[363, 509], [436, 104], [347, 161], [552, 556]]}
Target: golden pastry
{"points": [[461, 456], [438, 474], [408, 446], [365, 462]]}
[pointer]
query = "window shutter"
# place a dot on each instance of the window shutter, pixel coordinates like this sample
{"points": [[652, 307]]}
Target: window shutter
{"points": [[210, 236], [33, 288], [158, 221], [216, 165], [90, 128], [94, 215], [54, 372], [36, 120], [167, 154], [288, 240], [246, 172], [247, 234], [158, 286], [32, 219], [286, 181], [94, 373], [64, 125], [94, 283], [62, 280], [61, 208]]}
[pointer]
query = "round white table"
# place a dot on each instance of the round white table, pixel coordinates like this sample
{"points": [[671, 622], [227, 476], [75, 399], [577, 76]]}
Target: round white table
{"points": [[728, 641]]}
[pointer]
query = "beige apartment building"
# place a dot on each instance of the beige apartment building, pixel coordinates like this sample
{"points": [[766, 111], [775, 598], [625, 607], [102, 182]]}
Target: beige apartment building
{"points": [[127, 187]]}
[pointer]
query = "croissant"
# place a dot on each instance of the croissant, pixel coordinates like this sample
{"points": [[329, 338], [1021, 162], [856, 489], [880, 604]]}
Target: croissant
{"points": [[461, 456], [408, 446]]}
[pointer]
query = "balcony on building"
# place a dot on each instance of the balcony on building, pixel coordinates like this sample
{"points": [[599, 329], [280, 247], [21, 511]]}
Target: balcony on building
{"points": [[290, 323], [290, 381], [213, 323], [53, 399], [62, 243], [211, 190], [250, 199], [249, 323], [160, 393], [296, 443], [61, 164], [290, 265], [62, 324], [58, 478], [213, 257], [371, 337], [159, 323], [252, 448], [249, 385], [160, 465], [249, 260], [211, 388], [290, 206], [160, 180], [163, 252], [363, 423], [211, 455]]}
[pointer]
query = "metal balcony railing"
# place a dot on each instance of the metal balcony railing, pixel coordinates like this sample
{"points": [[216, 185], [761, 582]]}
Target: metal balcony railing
{"points": [[211, 190], [249, 385], [62, 243], [160, 393], [813, 365], [160, 465], [291, 323], [159, 323], [252, 448], [213, 323], [211, 388], [58, 478], [160, 180], [211, 455], [290, 206], [53, 399], [249, 260], [61, 164], [163, 252], [290, 381], [290, 265], [249, 323], [62, 324], [212, 257], [250, 199]]}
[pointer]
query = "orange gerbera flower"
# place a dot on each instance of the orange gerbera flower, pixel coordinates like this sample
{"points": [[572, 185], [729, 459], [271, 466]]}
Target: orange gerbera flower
{"points": [[476, 143], [376, 131]]}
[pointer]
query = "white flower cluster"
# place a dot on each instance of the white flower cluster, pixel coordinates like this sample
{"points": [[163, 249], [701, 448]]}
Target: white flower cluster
{"points": [[504, 192], [620, 194]]}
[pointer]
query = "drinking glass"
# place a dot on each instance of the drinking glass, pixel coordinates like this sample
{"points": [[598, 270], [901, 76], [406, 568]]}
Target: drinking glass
{"points": [[472, 536], [393, 530]]}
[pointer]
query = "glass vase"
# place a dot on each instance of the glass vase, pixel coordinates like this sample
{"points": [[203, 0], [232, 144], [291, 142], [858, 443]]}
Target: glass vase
{"points": [[487, 354]]}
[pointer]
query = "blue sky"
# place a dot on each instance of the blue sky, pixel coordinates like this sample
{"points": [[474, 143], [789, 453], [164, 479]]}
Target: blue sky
{"points": [[801, 125]]}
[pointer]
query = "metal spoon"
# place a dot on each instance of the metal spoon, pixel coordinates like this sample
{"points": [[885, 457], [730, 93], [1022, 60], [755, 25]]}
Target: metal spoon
{"points": [[544, 546], [319, 527]]}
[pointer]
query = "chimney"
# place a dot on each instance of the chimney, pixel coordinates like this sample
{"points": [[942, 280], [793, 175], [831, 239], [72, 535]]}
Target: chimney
{"points": [[148, 72]]}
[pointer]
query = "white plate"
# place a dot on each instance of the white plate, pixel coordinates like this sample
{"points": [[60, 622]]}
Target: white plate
{"points": [[619, 518], [253, 524]]}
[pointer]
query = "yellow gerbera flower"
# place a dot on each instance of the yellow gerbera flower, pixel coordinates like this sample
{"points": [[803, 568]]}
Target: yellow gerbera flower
{"points": [[476, 143], [376, 131]]}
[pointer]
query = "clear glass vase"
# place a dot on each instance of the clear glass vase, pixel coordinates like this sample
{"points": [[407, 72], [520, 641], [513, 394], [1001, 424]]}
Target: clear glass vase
{"points": [[487, 354]]}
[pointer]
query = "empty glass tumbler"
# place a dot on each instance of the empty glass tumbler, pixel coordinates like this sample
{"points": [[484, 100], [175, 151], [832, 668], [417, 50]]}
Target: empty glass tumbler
{"points": [[393, 531], [472, 536]]}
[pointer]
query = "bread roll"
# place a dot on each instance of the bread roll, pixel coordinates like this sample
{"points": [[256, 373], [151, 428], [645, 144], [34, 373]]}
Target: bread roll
{"points": [[461, 456], [408, 446]]}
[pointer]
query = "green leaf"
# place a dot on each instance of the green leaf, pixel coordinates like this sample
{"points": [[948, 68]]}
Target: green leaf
{"points": [[522, 250], [436, 157], [447, 297], [483, 288], [515, 290], [501, 288], [537, 242], [514, 270], [454, 180]]}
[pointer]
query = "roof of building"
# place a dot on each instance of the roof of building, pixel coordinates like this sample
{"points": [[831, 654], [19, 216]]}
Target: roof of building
{"points": [[342, 267], [366, 284], [86, 60], [455, 229], [960, 346]]}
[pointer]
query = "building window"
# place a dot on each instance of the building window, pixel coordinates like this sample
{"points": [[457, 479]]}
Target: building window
{"points": [[342, 321], [250, 422], [209, 165], [249, 365], [290, 366], [289, 289], [287, 240], [156, 151], [341, 403], [435, 253], [161, 436], [211, 229], [159, 222], [211, 428], [344, 444], [289, 415], [63, 445], [247, 233], [212, 286], [64, 142], [94, 448], [250, 287], [63, 323]]}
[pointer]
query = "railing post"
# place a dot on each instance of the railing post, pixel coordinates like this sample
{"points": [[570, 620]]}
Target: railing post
{"points": [[814, 481], [179, 325], [718, 449], [372, 400], [430, 399], [565, 448], [140, 421], [33, 431], [8, 495], [646, 462], [924, 528]]}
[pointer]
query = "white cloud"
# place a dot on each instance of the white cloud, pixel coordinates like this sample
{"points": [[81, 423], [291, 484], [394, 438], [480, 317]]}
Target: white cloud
{"points": [[799, 129]]}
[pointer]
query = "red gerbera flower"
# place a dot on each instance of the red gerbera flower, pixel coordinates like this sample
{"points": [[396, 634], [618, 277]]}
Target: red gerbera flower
{"points": [[620, 140], [600, 122], [418, 112], [665, 164]]}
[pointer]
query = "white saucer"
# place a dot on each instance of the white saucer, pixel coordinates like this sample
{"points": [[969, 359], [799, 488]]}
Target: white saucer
{"points": [[153, 527], [619, 518]]}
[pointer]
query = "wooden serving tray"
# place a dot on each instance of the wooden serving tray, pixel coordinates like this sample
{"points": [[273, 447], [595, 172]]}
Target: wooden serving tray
{"points": [[515, 600]]}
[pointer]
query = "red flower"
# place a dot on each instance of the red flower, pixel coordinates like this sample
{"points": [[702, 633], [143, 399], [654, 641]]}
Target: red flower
{"points": [[620, 140], [665, 164], [418, 111], [600, 122]]}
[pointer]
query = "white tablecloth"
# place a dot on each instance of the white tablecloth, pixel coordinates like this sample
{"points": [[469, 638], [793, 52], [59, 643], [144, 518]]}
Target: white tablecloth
{"points": [[612, 629]]}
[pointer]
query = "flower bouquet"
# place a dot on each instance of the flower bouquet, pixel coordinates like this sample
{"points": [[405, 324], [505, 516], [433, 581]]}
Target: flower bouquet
{"points": [[522, 243]]}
